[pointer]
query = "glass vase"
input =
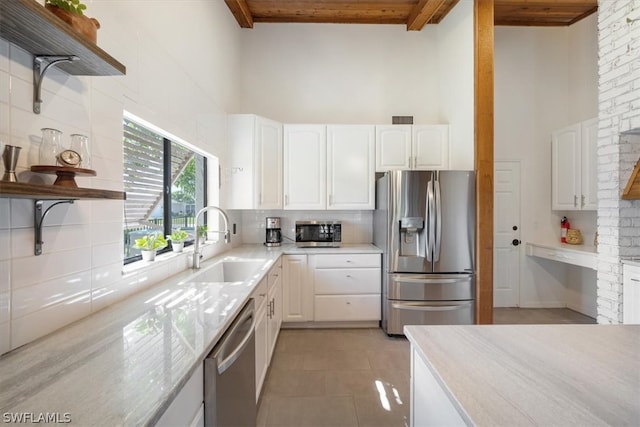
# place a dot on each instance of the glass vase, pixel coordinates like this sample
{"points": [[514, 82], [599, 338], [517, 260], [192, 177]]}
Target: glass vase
{"points": [[80, 144], [50, 147]]}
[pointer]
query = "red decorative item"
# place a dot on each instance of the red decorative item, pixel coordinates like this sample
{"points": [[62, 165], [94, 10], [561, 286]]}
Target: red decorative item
{"points": [[564, 227]]}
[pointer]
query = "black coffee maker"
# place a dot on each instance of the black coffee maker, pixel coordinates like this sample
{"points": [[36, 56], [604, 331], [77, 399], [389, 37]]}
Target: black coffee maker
{"points": [[273, 232]]}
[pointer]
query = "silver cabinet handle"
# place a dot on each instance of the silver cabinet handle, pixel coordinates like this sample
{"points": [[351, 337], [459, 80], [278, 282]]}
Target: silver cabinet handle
{"points": [[575, 201], [582, 201], [634, 280]]}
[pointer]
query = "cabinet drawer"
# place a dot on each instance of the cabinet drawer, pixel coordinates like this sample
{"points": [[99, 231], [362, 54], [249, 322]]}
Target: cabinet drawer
{"points": [[347, 281], [347, 261], [631, 295], [275, 272], [259, 294], [347, 307]]}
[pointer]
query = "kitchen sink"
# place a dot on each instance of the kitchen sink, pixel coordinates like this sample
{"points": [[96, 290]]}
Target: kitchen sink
{"points": [[230, 270]]}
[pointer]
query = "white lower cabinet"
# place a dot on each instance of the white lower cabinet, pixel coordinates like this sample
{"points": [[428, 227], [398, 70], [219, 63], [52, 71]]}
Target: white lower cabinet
{"points": [[187, 408], [297, 295], [274, 316], [346, 287], [259, 296], [267, 297]]}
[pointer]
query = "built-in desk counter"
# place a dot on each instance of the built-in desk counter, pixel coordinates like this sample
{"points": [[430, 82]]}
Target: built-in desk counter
{"points": [[581, 255]]}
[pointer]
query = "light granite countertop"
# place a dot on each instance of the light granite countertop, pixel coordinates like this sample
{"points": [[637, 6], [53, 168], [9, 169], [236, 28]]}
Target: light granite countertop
{"points": [[124, 365], [547, 375]]}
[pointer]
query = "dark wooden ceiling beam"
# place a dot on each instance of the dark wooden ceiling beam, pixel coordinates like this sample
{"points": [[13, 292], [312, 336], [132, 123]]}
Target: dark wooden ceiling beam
{"points": [[241, 12], [422, 13]]}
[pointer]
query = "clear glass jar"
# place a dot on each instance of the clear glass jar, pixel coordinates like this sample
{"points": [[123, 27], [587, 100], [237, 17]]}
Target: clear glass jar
{"points": [[80, 144], [50, 147]]}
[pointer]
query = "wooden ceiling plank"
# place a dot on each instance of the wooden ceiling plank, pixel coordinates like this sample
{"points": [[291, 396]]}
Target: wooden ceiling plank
{"points": [[584, 15], [242, 13], [422, 13]]}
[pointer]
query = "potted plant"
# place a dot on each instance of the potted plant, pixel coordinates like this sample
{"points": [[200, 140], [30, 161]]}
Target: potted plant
{"points": [[72, 12], [202, 233], [177, 238], [149, 244]]}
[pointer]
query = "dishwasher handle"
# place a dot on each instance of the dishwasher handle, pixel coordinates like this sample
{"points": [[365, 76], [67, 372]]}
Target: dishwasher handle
{"points": [[224, 364]]}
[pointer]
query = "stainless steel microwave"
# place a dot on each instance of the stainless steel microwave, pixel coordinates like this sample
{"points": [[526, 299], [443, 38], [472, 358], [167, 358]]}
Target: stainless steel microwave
{"points": [[311, 234]]}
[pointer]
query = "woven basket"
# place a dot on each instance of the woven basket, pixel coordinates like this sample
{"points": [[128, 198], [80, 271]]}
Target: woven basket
{"points": [[574, 236]]}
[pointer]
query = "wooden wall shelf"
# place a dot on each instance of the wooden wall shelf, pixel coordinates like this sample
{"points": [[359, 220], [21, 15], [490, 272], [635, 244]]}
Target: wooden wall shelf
{"points": [[29, 25], [21, 190]]}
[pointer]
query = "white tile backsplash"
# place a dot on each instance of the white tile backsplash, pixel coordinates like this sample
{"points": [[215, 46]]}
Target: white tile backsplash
{"points": [[30, 270], [5, 275], [5, 245], [4, 214], [40, 323], [356, 225], [5, 337], [5, 313], [68, 290]]}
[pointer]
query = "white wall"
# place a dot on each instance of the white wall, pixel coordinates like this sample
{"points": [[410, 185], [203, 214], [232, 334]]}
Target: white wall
{"points": [[456, 83], [545, 78], [332, 73], [182, 75]]}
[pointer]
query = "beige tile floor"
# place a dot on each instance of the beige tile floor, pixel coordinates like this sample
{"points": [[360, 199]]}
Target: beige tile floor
{"points": [[354, 377]]}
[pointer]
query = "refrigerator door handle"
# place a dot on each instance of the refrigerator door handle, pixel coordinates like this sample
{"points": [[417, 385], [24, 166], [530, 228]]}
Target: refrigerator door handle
{"points": [[431, 228], [429, 307], [438, 220], [437, 281]]}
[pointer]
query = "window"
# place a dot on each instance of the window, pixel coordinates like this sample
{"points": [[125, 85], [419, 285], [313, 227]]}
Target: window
{"points": [[165, 182]]}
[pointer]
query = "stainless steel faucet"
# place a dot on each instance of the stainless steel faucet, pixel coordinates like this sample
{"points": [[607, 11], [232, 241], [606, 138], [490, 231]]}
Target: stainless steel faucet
{"points": [[196, 246]]}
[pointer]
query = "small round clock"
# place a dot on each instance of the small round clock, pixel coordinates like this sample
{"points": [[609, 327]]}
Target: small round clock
{"points": [[69, 158]]}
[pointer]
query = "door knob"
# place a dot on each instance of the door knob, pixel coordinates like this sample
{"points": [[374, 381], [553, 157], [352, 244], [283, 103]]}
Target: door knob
{"points": [[515, 242]]}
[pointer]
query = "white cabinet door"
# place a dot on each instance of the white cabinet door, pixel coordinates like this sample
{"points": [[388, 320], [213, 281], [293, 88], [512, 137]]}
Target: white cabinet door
{"points": [[305, 166], [275, 306], [259, 295], [566, 168], [350, 167], [255, 156], [297, 297], [262, 357], [589, 173], [393, 147], [185, 408], [430, 147], [268, 164]]}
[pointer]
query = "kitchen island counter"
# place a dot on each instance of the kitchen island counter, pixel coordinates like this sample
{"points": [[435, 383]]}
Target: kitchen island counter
{"points": [[499, 375]]}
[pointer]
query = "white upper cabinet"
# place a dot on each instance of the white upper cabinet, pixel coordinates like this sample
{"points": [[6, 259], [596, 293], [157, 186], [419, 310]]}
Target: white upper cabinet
{"points": [[393, 147], [430, 147], [573, 167], [305, 163], [350, 167], [589, 173], [255, 156], [418, 147]]}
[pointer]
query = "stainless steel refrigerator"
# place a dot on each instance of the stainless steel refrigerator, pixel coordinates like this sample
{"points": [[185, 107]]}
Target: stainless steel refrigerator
{"points": [[425, 224]]}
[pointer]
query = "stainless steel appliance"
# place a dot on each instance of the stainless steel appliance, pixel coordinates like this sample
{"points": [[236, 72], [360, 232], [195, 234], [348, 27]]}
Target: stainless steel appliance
{"points": [[425, 224], [318, 234], [230, 375], [273, 231]]}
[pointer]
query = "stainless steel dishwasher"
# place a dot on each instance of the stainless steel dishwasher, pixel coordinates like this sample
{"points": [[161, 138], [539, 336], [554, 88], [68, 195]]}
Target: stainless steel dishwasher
{"points": [[230, 375]]}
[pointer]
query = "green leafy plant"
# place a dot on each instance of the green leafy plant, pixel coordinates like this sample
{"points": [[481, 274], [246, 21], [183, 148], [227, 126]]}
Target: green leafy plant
{"points": [[178, 236], [202, 230], [73, 6], [150, 242]]}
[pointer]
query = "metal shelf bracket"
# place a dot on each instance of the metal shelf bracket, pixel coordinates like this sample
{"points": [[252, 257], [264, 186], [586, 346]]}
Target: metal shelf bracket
{"points": [[38, 218], [39, 71]]}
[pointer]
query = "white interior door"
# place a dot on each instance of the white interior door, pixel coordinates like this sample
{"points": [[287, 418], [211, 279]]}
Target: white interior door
{"points": [[506, 228]]}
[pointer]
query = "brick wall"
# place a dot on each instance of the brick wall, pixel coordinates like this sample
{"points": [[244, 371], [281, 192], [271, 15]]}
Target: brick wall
{"points": [[618, 149]]}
